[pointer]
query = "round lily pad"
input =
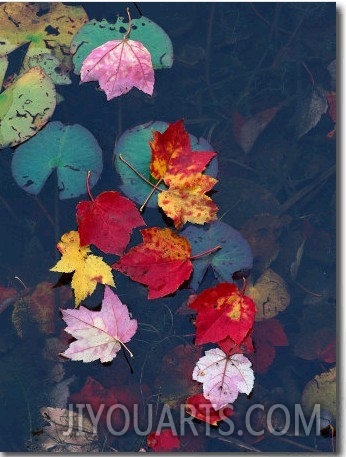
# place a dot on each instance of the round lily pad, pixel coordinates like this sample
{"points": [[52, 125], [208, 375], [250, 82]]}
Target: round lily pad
{"points": [[234, 254], [134, 147], [71, 149], [26, 106], [95, 33]]}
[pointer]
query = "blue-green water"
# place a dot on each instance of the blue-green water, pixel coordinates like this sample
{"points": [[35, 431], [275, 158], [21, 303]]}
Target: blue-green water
{"points": [[276, 185]]}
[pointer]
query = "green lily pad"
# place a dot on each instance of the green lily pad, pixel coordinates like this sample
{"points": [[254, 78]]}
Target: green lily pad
{"points": [[95, 33], [321, 391], [71, 149], [49, 26], [134, 147], [57, 71], [3, 68], [26, 106]]}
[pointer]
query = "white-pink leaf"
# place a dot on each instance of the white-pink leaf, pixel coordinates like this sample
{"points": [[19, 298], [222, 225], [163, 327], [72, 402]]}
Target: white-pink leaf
{"points": [[99, 334], [223, 377], [119, 65]]}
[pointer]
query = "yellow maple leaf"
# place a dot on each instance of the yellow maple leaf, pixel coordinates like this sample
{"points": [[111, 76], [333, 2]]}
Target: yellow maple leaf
{"points": [[88, 268], [185, 199]]}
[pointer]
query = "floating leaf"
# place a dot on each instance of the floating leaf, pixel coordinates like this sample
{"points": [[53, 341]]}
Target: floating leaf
{"points": [[107, 222], [53, 68], [134, 146], [49, 29], [88, 269], [96, 33], [316, 343], [172, 154], [25, 107], [223, 311], [223, 377], [119, 65], [99, 334], [3, 68], [162, 261], [186, 199], [71, 149], [270, 294], [234, 255]]}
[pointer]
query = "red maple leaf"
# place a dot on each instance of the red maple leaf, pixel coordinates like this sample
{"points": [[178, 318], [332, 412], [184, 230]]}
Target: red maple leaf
{"points": [[162, 261], [107, 222], [163, 441], [266, 335], [223, 311], [172, 154], [201, 408]]}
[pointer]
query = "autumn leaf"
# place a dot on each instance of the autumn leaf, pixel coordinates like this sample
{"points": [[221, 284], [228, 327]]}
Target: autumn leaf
{"points": [[185, 200], [88, 268], [107, 222], [223, 377], [162, 261], [172, 154], [223, 311], [99, 334], [119, 65]]}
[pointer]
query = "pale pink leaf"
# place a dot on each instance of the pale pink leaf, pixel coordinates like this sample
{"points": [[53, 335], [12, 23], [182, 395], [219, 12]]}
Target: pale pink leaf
{"points": [[119, 65], [99, 334], [223, 377]]}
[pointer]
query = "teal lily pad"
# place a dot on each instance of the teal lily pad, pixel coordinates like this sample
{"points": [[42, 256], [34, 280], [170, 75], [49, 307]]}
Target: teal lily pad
{"points": [[134, 147], [95, 33], [234, 255], [71, 149]]}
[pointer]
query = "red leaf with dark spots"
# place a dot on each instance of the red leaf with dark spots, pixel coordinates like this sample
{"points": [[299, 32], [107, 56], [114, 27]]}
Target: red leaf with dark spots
{"points": [[201, 408], [223, 311]]}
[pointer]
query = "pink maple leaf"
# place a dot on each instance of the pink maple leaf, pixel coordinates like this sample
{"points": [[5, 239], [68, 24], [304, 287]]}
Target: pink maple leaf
{"points": [[223, 377], [99, 334], [119, 65]]}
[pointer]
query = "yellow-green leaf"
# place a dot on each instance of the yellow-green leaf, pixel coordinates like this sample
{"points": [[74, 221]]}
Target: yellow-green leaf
{"points": [[25, 107], [49, 26]]}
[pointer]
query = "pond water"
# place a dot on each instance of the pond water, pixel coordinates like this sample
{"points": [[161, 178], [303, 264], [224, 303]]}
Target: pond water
{"points": [[257, 82]]}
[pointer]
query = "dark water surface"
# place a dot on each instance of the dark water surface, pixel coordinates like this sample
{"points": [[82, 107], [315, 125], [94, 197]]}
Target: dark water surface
{"points": [[233, 62]]}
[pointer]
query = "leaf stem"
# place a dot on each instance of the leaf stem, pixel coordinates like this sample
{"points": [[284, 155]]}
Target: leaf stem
{"points": [[139, 174], [125, 347], [149, 196], [129, 26], [209, 251], [88, 185]]}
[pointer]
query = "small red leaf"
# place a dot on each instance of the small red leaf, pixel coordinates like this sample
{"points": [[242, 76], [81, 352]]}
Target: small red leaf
{"points": [[107, 222], [201, 408], [163, 441]]}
